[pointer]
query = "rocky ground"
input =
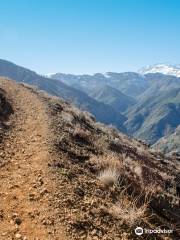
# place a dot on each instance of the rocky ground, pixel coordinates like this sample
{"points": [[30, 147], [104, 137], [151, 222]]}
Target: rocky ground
{"points": [[65, 176]]}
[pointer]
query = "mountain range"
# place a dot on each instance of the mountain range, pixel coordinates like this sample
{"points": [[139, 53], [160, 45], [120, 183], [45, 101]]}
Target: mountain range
{"points": [[150, 102], [144, 104]]}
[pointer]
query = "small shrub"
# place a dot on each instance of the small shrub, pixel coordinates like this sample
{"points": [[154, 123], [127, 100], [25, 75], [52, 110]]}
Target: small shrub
{"points": [[115, 146], [108, 176], [134, 166], [63, 172], [67, 118], [108, 161], [82, 135], [128, 211], [85, 116]]}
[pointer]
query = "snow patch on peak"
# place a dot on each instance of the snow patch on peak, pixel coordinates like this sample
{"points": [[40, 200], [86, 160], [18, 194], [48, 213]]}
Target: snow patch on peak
{"points": [[49, 75], [162, 68]]}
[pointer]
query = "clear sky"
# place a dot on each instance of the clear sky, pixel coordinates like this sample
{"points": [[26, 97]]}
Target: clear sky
{"points": [[88, 36]]}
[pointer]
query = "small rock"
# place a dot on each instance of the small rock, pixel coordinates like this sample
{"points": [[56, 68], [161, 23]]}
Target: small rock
{"points": [[95, 238], [47, 222], [94, 232], [18, 236]]}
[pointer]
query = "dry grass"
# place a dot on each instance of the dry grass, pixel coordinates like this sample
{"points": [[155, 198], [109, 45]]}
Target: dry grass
{"points": [[82, 135], [86, 116], [134, 166], [80, 114], [108, 176], [67, 117], [130, 208], [108, 161], [111, 168], [128, 211]]}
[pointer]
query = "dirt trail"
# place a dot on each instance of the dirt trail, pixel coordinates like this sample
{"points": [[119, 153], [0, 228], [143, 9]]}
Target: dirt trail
{"points": [[26, 186]]}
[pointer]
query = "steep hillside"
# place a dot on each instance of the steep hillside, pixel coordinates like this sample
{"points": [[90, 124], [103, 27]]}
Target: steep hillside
{"points": [[130, 83], [169, 143], [157, 111], [66, 176], [159, 83], [154, 117], [101, 111], [113, 97]]}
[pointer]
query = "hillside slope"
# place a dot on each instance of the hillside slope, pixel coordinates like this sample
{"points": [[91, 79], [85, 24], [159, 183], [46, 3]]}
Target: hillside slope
{"points": [[113, 97], [155, 116], [169, 143], [65, 175]]}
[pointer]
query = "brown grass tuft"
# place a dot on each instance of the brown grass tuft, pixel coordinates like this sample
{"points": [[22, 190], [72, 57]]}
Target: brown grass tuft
{"points": [[128, 211], [82, 135], [108, 161], [108, 176]]}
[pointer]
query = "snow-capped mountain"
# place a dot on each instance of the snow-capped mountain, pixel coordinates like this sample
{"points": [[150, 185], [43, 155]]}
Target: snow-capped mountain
{"points": [[162, 68]]}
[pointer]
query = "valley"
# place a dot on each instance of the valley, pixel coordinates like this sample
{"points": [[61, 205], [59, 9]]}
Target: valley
{"points": [[144, 106], [150, 102]]}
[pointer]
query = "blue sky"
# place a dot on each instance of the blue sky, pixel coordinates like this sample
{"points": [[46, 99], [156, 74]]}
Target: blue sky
{"points": [[88, 36]]}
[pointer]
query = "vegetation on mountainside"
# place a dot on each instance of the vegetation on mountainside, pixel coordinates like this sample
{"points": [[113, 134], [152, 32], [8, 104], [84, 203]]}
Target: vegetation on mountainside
{"points": [[169, 143]]}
